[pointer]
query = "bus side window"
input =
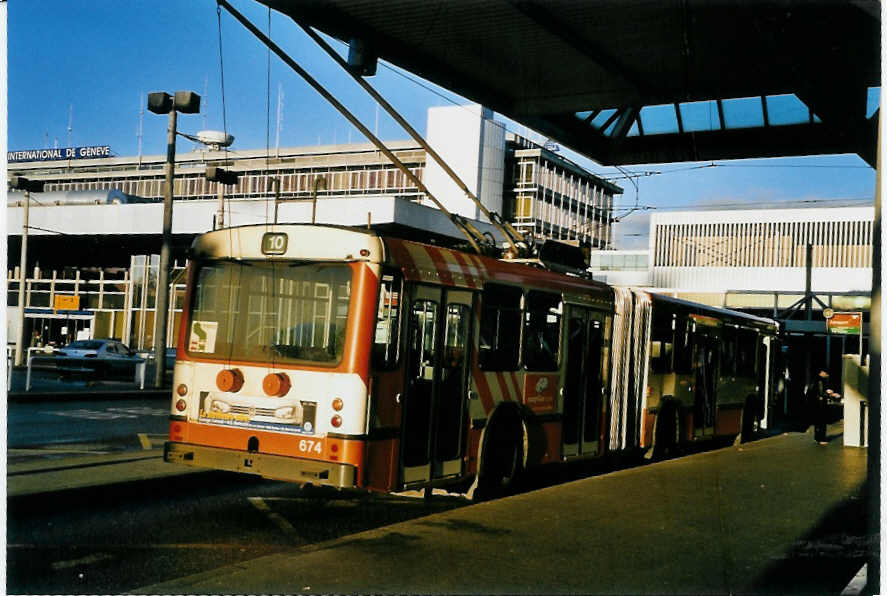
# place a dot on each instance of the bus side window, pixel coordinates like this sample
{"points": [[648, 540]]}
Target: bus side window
{"points": [[747, 347], [500, 323], [728, 349], [660, 356], [542, 330], [683, 351], [661, 349], [386, 344]]}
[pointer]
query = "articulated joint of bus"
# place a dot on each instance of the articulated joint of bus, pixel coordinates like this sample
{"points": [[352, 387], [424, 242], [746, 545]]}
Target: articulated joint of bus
{"points": [[277, 467]]}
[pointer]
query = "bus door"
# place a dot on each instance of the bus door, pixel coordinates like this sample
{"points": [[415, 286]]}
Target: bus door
{"points": [[705, 365], [434, 396], [764, 380], [583, 383]]}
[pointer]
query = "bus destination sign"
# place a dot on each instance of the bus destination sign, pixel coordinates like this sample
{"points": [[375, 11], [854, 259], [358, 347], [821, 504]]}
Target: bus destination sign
{"points": [[274, 243]]}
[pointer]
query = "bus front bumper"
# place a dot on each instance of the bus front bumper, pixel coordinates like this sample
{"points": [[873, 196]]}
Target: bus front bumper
{"points": [[276, 467]]}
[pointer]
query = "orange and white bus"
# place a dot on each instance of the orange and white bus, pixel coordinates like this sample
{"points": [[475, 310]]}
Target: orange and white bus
{"points": [[336, 356]]}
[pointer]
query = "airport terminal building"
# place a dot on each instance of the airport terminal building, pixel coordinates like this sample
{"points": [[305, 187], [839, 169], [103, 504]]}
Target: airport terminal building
{"points": [[94, 229]]}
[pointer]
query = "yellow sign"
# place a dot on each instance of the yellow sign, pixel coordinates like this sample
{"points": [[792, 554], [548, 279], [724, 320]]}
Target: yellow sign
{"points": [[65, 302]]}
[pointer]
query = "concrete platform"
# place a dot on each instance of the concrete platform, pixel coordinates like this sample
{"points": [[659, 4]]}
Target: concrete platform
{"points": [[780, 515]]}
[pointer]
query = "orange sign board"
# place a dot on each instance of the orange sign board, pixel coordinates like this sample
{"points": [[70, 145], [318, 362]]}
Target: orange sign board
{"points": [[65, 302], [848, 323]]}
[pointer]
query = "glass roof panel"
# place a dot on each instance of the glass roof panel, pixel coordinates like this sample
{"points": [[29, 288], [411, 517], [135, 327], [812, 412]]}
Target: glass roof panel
{"points": [[786, 109], [659, 119], [700, 115], [602, 118], [873, 101], [743, 112]]}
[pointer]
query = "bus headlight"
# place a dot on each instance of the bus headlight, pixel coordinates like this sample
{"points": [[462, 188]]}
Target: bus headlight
{"points": [[286, 412], [218, 405]]}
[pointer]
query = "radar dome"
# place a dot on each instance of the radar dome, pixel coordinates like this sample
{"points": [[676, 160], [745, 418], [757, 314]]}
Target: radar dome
{"points": [[215, 138]]}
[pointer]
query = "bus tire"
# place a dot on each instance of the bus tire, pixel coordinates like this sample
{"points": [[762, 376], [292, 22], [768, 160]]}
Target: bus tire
{"points": [[750, 420], [502, 457], [667, 431]]}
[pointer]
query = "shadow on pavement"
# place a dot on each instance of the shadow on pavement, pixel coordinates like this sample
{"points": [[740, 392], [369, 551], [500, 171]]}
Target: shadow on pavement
{"points": [[828, 557]]}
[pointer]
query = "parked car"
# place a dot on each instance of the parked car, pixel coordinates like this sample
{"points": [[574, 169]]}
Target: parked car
{"points": [[106, 357]]}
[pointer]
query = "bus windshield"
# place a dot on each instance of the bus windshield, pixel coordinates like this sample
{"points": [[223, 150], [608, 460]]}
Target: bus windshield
{"points": [[260, 311]]}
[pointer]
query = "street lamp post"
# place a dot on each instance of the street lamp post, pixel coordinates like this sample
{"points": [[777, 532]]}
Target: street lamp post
{"points": [[221, 176], [21, 183], [186, 102]]}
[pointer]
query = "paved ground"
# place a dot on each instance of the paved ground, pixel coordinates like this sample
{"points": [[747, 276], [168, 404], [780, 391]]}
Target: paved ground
{"points": [[781, 515]]}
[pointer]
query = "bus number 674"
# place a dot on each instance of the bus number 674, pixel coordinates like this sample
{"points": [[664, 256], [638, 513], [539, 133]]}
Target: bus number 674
{"points": [[310, 446]]}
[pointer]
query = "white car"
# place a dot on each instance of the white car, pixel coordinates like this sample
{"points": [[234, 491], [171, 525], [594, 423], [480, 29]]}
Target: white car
{"points": [[105, 356]]}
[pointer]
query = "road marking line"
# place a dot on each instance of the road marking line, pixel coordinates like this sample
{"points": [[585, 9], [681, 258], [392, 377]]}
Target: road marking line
{"points": [[857, 584], [145, 441], [278, 520], [87, 560]]}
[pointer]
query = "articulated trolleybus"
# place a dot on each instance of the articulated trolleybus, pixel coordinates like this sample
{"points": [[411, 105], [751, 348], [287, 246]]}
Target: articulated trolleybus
{"points": [[339, 357]]}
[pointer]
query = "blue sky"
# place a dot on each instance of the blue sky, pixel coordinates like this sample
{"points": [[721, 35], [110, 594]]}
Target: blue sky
{"points": [[94, 62]]}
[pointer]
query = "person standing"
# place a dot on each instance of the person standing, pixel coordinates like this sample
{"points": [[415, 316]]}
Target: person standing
{"points": [[818, 407]]}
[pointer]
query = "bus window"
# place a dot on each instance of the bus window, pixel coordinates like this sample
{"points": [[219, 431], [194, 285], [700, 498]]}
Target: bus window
{"points": [[661, 347], [456, 336], [746, 352], [385, 342], [683, 350], [423, 342], [728, 350], [500, 323], [542, 326], [257, 311], [660, 357]]}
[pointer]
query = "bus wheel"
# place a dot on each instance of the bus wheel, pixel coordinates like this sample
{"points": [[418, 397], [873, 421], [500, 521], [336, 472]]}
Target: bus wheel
{"points": [[750, 422], [501, 460], [667, 433]]}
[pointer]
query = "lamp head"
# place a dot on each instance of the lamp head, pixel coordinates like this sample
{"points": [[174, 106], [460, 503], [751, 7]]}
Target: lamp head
{"points": [[159, 102], [187, 102]]}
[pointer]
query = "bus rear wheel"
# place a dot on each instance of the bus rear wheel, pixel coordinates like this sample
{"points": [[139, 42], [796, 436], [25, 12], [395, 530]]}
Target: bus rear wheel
{"points": [[501, 460]]}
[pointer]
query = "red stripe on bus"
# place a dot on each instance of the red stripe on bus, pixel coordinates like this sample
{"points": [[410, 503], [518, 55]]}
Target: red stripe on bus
{"points": [[517, 387], [506, 392], [483, 390], [471, 279], [401, 256], [480, 381], [440, 264]]}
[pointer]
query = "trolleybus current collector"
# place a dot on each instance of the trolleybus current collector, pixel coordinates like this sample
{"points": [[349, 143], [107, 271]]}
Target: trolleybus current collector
{"points": [[337, 356]]}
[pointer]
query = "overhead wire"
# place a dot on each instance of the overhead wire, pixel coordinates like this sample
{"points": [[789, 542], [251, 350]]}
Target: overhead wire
{"points": [[227, 201], [271, 295], [227, 162], [268, 178]]}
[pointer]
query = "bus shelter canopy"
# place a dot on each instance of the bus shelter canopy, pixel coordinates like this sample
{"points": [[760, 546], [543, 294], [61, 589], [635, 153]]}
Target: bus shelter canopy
{"points": [[646, 81]]}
